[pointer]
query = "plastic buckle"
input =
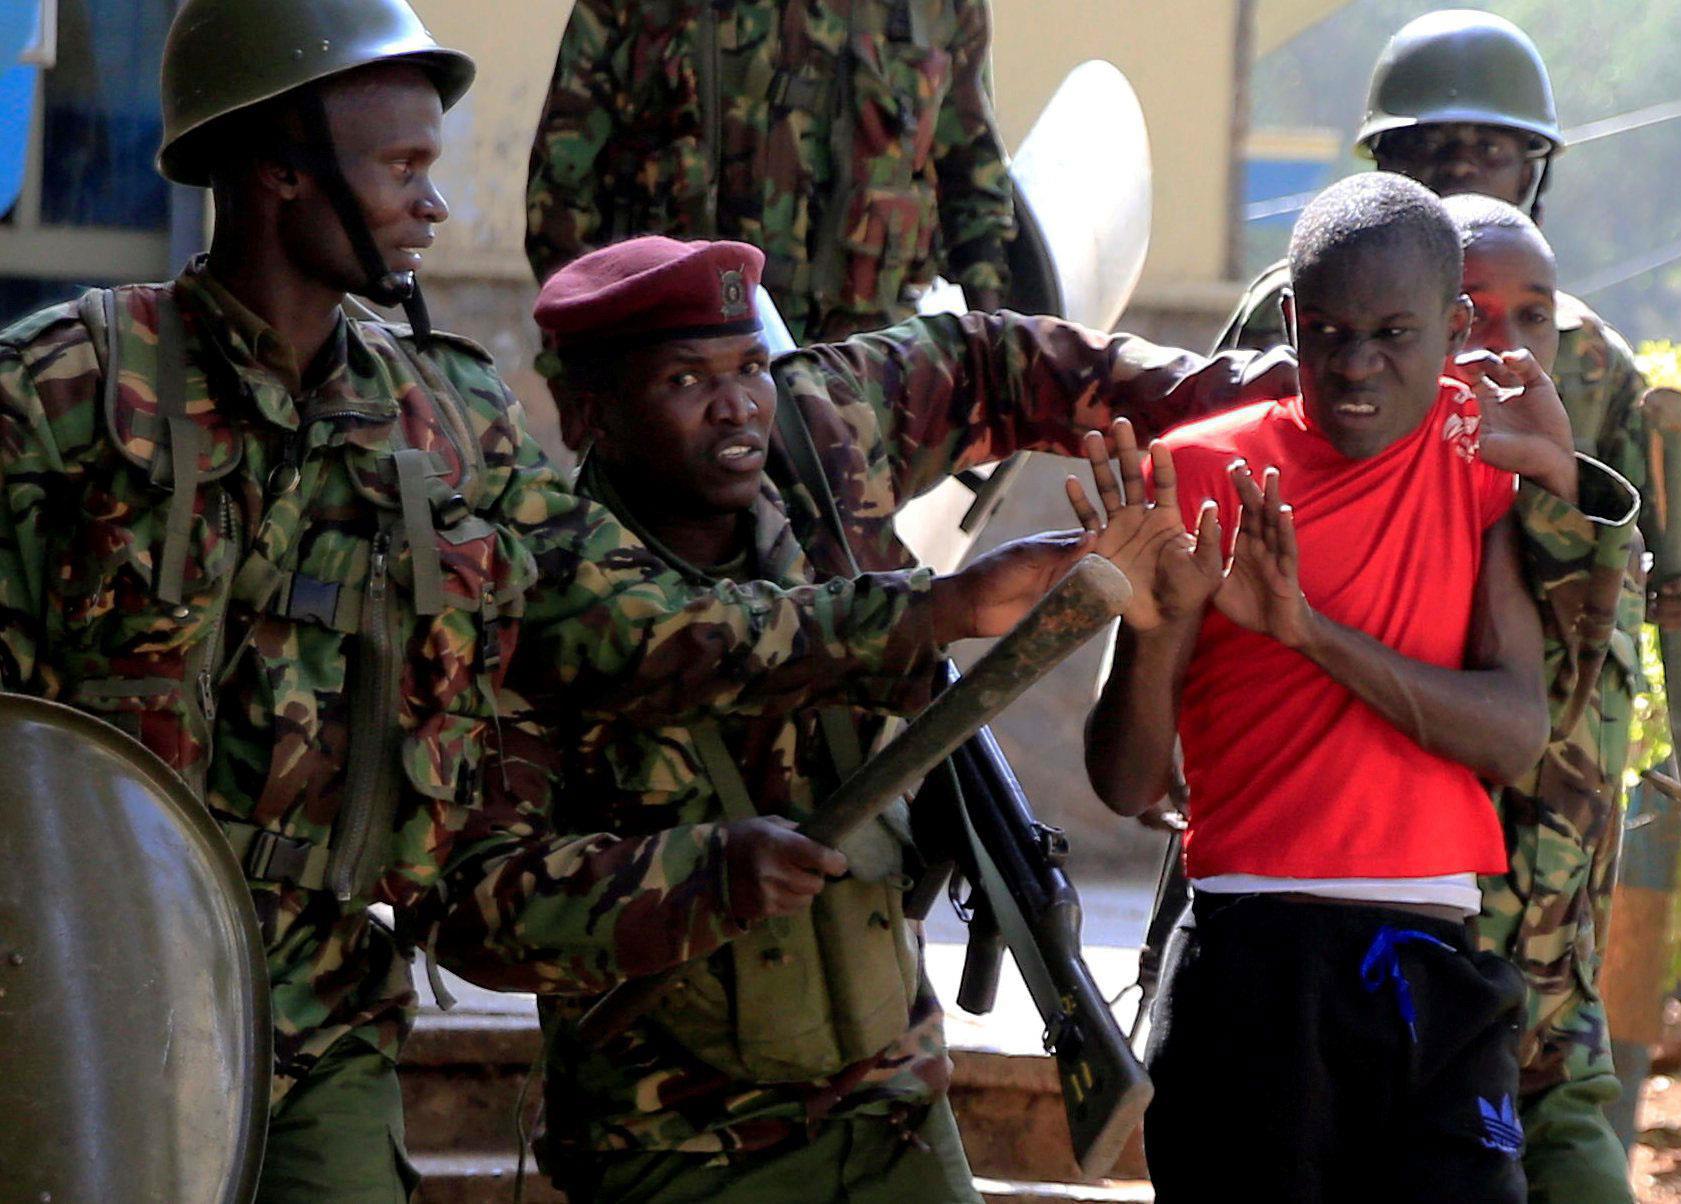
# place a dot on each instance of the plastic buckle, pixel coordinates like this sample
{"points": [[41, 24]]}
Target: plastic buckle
{"points": [[276, 858]]}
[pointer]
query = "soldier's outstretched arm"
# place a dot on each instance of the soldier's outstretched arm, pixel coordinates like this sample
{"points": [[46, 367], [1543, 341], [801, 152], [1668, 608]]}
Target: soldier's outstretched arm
{"points": [[950, 392], [977, 215], [1575, 558], [1576, 521], [563, 207]]}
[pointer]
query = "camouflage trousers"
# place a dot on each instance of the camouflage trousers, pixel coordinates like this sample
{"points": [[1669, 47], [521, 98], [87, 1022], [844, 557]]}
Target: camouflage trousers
{"points": [[861, 1160], [1571, 1154], [338, 1135]]}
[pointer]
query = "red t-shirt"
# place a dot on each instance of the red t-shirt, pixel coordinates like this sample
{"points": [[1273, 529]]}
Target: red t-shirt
{"points": [[1290, 774]]}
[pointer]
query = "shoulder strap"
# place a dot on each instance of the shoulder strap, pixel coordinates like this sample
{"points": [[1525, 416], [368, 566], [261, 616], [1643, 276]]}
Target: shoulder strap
{"points": [[727, 781], [187, 442], [98, 310], [185, 439], [452, 411], [839, 731], [808, 471]]}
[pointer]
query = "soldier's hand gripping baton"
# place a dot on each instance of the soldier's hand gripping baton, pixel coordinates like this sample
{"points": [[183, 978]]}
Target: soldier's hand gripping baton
{"points": [[1088, 598]]}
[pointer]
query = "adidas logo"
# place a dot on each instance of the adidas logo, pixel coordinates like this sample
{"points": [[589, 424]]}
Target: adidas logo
{"points": [[1500, 1126]]}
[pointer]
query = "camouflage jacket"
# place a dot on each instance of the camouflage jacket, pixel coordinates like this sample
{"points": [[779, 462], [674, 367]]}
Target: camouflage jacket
{"points": [[891, 414], [1549, 912], [246, 684], [852, 141]]}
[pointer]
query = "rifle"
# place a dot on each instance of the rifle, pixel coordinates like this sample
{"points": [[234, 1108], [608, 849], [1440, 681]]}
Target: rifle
{"points": [[1173, 895], [1021, 899], [1087, 598]]}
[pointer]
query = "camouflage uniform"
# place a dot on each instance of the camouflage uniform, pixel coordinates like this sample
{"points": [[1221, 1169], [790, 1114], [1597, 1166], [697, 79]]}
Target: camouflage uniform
{"points": [[1550, 911], [890, 414], [851, 141], [300, 588]]}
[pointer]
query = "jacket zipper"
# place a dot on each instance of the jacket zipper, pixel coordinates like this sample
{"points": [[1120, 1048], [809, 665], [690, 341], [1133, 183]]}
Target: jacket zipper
{"points": [[212, 662], [364, 823]]}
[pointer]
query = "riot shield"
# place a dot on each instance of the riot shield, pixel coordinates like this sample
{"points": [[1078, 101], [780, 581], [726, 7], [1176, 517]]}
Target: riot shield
{"points": [[134, 1017], [1082, 186], [1083, 174]]}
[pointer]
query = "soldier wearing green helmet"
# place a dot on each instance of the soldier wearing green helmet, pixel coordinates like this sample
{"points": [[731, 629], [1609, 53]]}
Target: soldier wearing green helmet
{"points": [[204, 491], [1460, 100]]}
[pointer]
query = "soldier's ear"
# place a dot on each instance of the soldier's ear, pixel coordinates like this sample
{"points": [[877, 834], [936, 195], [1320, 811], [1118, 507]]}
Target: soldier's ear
{"points": [[280, 178], [1459, 323]]}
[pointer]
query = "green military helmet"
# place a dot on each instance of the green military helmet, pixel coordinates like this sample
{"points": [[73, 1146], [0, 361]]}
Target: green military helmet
{"points": [[1462, 65], [226, 55]]}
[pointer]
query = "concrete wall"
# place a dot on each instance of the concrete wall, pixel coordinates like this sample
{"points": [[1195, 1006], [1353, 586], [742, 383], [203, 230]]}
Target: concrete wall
{"points": [[1178, 55]]}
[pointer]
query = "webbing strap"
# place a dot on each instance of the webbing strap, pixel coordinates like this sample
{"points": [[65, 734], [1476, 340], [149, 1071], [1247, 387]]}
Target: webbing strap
{"points": [[808, 471], [267, 856], [827, 258], [113, 347], [186, 443], [841, 735], [412, 466], [451, 409], [727, 781]]}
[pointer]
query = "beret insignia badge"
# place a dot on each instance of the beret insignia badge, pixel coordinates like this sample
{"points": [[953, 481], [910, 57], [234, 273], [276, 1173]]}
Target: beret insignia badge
{"points": [[732, 294]]}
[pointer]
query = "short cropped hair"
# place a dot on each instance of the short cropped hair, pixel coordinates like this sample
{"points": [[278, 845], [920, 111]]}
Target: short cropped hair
{"points": [[1377, 209], [1473, 213]]}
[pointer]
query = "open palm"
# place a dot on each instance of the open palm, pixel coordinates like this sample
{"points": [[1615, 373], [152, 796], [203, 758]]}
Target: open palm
{"points": [[1262, 590], [1172, 573]]}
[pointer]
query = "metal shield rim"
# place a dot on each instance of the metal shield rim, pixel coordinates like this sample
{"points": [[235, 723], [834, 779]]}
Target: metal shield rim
{"points": [[207, 833], [1047, 172]]}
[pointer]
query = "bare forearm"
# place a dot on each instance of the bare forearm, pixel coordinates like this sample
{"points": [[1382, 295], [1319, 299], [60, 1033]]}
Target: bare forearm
{"points": [[1485, 719], [1131, 729]]}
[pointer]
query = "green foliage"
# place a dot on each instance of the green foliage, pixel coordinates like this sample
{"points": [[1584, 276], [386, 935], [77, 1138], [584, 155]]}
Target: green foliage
{"points": [[1660, 363], [1649, 742]]}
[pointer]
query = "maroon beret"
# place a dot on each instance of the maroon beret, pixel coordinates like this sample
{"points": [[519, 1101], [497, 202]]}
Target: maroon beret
{"points": [[653, 288]]}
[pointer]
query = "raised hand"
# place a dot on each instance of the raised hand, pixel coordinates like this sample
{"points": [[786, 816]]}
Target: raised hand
{"points": [[1172, 574], [1261, 590], [1525, 429]]}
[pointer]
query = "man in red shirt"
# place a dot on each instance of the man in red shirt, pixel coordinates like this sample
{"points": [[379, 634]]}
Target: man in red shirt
{"points": [[1371, 653]]}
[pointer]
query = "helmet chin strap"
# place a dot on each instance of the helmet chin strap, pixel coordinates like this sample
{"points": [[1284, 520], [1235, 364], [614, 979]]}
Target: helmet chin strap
{"points": [[320, 159], [1543, 177]]}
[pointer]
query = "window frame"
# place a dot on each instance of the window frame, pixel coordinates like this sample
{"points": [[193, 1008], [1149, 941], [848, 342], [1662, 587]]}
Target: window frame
{"points": [[33, 250]]}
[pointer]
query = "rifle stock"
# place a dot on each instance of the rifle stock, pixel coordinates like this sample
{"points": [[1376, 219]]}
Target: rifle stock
{"points": [[1031, 902], [1105, 1089]]}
